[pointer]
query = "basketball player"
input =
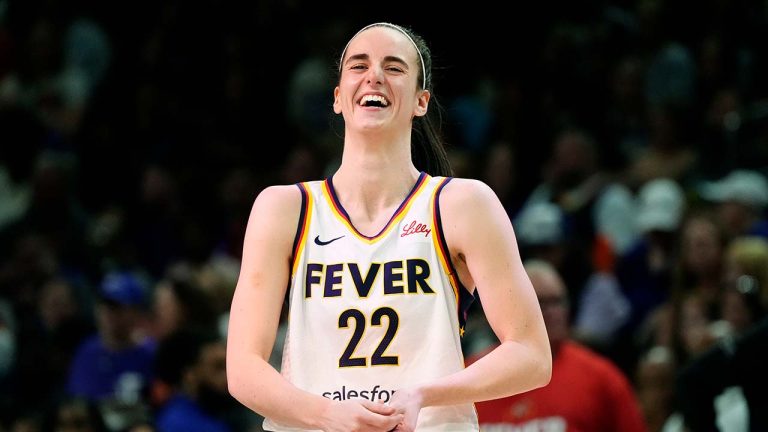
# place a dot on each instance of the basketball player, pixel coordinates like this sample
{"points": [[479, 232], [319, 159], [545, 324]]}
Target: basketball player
{"points": [[381, 261]]}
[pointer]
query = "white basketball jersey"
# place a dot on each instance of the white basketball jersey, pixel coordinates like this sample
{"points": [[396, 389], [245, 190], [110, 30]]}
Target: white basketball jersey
{"points": [[371, 315]]}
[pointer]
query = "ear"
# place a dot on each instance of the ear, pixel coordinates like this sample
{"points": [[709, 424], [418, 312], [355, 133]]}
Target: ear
{"points": [[422, 103], [336, 101]]}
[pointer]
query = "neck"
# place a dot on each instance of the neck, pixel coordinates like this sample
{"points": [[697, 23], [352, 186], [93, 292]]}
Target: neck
{"points": [[376, 170]]}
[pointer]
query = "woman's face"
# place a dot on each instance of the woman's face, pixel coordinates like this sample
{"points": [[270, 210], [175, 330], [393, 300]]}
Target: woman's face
{"points": [[379, 86]]}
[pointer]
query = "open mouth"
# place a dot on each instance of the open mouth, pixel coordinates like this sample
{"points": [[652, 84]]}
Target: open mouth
{"points": [[377, 101]]}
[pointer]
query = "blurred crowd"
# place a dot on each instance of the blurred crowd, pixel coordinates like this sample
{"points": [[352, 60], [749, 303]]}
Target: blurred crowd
{"points": [[628, 141]]}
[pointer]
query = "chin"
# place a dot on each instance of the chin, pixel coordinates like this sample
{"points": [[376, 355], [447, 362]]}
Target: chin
{"points": [[372, 127]]}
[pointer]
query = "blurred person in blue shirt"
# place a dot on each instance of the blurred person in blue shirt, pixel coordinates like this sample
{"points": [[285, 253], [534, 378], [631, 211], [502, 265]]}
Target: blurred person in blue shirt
{"points": [[193, 364], [116, 362]]}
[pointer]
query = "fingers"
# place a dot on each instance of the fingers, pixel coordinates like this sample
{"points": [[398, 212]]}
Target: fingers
{"points": [[378, 408], [384, 423], [382, 416], [402, 427], [392, 423]]}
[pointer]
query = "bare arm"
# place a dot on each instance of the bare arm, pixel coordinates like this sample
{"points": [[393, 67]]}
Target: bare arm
{"points": [[253, 323], [480, 235]]}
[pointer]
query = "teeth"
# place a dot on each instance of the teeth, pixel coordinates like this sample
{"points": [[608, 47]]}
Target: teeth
{"points": [[372, 98]]}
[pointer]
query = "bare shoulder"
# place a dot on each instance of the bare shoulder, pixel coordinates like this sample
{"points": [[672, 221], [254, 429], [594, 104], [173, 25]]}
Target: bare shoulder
{"points": [[472, 216], [467, 196], [279, 197], [277, 200], [276, 209]]}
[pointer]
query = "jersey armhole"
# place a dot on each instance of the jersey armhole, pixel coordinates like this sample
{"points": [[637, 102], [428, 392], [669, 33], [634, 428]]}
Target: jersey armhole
{"points": [[464, 297], [303, 225]]}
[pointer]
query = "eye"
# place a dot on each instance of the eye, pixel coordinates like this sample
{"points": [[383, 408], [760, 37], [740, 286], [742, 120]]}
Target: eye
{"points": [[358, 66], [395, 69]]}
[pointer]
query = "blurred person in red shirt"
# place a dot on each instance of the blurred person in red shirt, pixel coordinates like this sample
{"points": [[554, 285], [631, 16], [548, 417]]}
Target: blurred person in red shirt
{"points": [[587, 391]]}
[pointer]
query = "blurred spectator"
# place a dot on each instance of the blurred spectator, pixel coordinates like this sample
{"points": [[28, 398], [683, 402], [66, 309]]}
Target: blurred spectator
{"points": [[114, 367], [540, 231], [660, 209], [715, 387], [572, 178], [695, 332], [49, 335], [574, 181], [192, 362], [87, 50], [734, 398], [218, 278], [700, 267], [681, 322], [601, 307], [742, 306], [655, 382], [671, 77], [615, 206], [740, 199], [587, 392], [745, 297], [179, 303], [56, 80], [646, 271], [55, 215], [30, 261], [668, 152], [603, 310], [75, 415]]}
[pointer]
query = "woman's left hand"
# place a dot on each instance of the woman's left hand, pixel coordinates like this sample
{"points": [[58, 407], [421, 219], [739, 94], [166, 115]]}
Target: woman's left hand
{"points": [[407, 401]]}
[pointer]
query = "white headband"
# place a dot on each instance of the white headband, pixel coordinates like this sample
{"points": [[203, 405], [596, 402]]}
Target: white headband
{"points": [[400, 29]]}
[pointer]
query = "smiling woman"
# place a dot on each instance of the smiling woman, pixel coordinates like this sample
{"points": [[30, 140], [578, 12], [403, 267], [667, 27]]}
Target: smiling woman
{"points": [[380, 262], [428, 152]]}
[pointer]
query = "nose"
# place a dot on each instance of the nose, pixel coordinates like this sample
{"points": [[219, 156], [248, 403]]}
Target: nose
{"points": [[375, 74]]}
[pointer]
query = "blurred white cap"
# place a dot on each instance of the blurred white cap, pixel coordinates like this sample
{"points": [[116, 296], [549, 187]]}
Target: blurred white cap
{"points": [[660, 206], [744, 186], [540, 223]]}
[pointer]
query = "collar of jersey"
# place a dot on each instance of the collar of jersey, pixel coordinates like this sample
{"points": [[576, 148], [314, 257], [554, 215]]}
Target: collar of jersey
{"points": [[338, 210]]}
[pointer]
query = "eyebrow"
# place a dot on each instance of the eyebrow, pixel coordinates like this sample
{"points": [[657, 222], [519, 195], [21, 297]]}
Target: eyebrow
{"points": [[387, 59]]}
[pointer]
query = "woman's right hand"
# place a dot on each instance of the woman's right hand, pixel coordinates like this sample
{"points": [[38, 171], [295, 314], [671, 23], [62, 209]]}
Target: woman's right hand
{"points": [[359, 415]]}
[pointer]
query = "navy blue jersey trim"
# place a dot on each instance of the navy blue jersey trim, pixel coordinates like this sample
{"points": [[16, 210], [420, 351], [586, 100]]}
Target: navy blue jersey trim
{"points": [[394, 214], [465, 297], [302, 220]]}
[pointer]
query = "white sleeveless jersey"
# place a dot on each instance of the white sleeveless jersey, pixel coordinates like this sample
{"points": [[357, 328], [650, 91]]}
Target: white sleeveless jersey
{"points": [[371, 315]]}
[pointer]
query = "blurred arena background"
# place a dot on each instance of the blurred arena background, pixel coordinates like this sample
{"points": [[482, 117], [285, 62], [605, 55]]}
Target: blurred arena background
{"points": [[628, 141]]}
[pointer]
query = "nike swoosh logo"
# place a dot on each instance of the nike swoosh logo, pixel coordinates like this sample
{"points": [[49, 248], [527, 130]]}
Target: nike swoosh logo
{"points": [[323, 243]]}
